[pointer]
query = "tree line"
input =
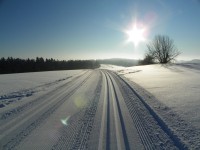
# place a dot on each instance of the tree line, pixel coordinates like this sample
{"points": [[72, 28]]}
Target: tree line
{"points": [[17, 65]]}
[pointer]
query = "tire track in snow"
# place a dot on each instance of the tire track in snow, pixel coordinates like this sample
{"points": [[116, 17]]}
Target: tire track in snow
{"points": [[25, 129]]}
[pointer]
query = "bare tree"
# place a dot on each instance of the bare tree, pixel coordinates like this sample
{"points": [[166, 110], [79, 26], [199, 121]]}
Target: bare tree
{"points": [[162, 49]]}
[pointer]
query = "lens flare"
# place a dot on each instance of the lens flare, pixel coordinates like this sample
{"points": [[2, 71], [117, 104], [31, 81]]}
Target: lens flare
{"points": [[64, 121], [80, 101]]}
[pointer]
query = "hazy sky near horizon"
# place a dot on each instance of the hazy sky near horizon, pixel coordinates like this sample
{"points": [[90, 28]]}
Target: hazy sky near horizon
{"points": [[93, 29]]}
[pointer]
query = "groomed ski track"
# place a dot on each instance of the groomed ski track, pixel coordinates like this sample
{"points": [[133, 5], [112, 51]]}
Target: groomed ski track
{"points": [[95, 110]]}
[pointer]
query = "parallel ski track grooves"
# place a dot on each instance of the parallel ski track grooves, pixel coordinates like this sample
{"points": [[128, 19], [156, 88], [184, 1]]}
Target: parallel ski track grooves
{"points": [[13, 112], [121, 117], [108, 117], [82, 136], [125, 138], [178, 143], [28, 129]]}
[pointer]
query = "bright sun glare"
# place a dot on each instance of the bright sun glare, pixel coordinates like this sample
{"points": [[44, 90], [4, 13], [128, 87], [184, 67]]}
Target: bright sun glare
{"points": [[135, 35]]}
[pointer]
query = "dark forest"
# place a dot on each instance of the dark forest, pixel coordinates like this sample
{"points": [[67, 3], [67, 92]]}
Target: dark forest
{"points": [[17, 65]]}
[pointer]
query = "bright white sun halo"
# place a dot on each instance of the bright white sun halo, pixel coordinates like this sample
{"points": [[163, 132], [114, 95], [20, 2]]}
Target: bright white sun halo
{"points": [[135, 35]]}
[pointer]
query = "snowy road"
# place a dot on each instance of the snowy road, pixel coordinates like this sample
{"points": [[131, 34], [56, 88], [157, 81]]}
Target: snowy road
{"points": [[96, 110]]}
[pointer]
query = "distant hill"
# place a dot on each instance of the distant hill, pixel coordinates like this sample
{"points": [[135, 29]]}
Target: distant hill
{"points": [[196, 61], [193, 61], [119, 62]]}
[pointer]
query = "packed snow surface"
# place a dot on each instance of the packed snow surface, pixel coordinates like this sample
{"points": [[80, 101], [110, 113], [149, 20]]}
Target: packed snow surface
{"points": [[15, 87], [143, 107], [177, 86], [20, 81]]}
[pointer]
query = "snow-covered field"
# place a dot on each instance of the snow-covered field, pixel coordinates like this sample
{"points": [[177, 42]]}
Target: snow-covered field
{"points": [[141, 107], [20, 81], [14, 87], [177, 86]]}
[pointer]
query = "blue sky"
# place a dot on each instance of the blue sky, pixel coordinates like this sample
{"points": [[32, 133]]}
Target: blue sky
{"points": [[93, 29]]}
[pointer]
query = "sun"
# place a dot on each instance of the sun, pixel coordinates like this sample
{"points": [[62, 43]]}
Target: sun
{"points": [[135, 35]]}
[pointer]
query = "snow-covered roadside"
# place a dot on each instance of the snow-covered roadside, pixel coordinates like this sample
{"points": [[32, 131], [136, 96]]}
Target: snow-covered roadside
{"points": [[176, 86], [20, 81], [14, 87]]}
